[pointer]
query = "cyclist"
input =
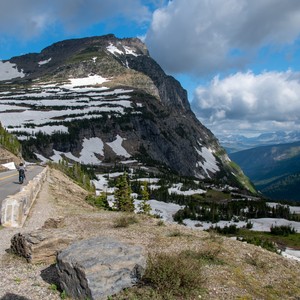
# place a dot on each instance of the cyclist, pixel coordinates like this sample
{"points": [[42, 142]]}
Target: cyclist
{"points": [[21, 170]]}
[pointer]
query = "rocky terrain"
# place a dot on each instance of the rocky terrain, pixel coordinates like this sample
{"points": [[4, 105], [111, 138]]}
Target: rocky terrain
{"points": [[234, 270]]}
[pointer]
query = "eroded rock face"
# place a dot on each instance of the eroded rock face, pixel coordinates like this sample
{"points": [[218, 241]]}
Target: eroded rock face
{"points": [[99, 267]]}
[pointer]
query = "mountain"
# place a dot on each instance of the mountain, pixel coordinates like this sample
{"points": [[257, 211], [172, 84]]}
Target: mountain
{"points": [[235, 143], [104, 100], [275, 170]]}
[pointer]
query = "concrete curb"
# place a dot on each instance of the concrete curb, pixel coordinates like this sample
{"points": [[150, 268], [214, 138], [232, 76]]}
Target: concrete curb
{"points": [[15, 208]]}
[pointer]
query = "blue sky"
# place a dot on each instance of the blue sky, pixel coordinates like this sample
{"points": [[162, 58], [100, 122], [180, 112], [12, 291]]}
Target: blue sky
{"points": [[238, 59]]}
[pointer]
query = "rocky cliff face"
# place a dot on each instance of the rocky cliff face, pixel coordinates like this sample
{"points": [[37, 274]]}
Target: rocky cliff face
{"points": [[104, 99]]}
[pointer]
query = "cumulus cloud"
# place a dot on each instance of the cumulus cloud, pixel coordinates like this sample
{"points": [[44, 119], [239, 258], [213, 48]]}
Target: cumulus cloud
{"points": [[207, 36], [29, 18], [247, 101]]}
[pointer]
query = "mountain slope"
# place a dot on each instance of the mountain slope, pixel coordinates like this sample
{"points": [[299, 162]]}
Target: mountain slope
{"points": [[275, 170], [234, 143], [103, 99]]}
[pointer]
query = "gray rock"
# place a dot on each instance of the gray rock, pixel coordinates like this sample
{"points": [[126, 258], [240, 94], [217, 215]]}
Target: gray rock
{"points": [[99, 267], [41, 246]]}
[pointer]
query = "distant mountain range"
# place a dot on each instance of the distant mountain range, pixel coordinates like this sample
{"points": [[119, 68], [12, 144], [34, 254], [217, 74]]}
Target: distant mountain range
{"points": [[235, 143], [275, 169], [105, 100]]}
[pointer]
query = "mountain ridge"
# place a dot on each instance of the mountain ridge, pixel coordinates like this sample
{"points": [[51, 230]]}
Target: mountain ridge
{"points": [[275, 169], [110, 89]]}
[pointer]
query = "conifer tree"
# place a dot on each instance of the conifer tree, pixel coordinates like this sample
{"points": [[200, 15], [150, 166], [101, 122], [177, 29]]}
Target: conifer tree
{"points": [[123, 199], [144, 205]]}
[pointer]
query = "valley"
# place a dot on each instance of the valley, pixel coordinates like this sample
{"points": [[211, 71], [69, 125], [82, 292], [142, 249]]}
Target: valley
{"points": [[275, 169]]}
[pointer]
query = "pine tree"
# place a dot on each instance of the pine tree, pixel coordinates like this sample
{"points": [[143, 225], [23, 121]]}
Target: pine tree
{"points": [[144, 205], [123, 199]]}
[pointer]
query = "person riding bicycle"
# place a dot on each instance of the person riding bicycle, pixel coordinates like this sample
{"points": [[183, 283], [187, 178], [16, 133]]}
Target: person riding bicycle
{"points": [[21, 170]]}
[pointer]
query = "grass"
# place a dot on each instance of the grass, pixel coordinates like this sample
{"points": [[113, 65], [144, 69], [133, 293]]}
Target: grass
{"points": [[169, 276], [213, 195], [125, 221], [291, 241], [160, 223], [175, 233]]}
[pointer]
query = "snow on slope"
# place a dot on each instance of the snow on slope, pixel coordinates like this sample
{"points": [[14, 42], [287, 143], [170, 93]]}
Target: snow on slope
{"points": [[9, 71], [90, 147], [87, 155], [117, 147], [176, 189], [48, 103], [86, 81], [209, 163], [114, 50], [44, 62]]}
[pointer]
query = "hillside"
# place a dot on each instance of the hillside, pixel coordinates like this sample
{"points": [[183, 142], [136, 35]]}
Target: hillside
{"points": [[230, 269], [105, 100], [275, 170], [7, 157]]}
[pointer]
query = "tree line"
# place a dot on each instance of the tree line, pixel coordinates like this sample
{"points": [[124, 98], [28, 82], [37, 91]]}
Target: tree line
{"points": [[9, 141]]}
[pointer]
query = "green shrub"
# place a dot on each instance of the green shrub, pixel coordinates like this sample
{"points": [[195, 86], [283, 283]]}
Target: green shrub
{"points": [[174, 276], [125, 221], [284, 230], [231, 229], [175, 233], [257, 241], [159, 223], [98, 201]]}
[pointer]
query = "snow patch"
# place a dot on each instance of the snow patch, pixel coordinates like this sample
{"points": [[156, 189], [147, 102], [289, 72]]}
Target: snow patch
{"points": [[90, 147], [113, 49], [10, 165], [42, 158], [9, 71], [176, 189], [164, 210], [86, 81], [130, 51], [209, 163], [117, 147], [43, 62]]}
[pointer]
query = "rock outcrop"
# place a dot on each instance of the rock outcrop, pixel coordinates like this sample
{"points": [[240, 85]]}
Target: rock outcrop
{"points": [[41, 246], [99, 267]]}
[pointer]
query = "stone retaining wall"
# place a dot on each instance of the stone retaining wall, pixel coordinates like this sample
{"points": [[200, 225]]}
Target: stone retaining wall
{"points": [[15, 208]]}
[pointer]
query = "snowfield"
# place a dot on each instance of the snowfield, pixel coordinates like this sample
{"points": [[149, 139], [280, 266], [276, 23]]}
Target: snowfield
{"points": [[35, 109]]}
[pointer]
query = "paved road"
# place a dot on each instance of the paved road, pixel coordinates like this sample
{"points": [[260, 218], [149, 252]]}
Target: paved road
{"points": [[9, 181]]}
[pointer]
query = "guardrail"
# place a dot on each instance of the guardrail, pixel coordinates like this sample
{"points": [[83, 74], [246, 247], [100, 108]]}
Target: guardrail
{"points": [[15, 208]]}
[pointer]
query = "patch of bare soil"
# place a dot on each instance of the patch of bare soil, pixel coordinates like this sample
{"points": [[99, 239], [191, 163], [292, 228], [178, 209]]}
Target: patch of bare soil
{"points": [[236, 270], [6, 156]]}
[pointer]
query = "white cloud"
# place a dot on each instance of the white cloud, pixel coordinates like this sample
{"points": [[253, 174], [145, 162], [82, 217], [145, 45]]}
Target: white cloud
{"points": [[245, 101], [207, 36], [30, 18]]}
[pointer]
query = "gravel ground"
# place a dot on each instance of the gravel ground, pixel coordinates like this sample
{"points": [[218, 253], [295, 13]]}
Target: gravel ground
{"points": [[243, 271]]}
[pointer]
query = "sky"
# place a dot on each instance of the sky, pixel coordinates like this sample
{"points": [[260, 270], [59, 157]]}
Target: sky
{"points": [[239, 60]]}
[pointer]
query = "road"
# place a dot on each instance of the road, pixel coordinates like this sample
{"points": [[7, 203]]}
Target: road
{"points": [[9, 181]]}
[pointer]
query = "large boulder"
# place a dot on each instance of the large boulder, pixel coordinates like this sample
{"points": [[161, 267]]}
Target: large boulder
{"points": [[99, 267], [41, 246]]}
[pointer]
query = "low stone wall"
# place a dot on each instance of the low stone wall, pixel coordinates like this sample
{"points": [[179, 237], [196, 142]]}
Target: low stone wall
{"points": [[15, 208]]}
